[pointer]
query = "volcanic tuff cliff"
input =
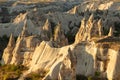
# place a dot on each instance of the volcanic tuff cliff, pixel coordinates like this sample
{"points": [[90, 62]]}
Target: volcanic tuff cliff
{"points": [[96, 47]]}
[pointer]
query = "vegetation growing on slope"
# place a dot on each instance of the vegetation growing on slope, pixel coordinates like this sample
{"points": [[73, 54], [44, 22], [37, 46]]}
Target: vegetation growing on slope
{"points": [[11, 72]]}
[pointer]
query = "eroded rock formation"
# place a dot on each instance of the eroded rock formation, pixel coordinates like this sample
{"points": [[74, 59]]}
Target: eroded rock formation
{"points": [[46, 33], [89, 29], [59, 36], [7, 55], [95, 51]]}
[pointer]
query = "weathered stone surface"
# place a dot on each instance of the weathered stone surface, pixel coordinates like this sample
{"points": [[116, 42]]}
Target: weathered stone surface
{"points": [[46, 32], [89, 29], [7, 54], [84, 58], [110, 32], [59, 36], [95, 51]]}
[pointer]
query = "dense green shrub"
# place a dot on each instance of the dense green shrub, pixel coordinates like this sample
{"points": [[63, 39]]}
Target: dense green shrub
{"points": [[3, 43], [90, 78], [0, 64], [117, 29], [11, 72], [36, 75], [70, 37], [6, 76], [97, 74]]}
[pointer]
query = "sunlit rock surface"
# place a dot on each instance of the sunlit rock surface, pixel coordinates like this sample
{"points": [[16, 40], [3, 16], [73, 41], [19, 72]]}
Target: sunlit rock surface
{"points": [[43, 42]]}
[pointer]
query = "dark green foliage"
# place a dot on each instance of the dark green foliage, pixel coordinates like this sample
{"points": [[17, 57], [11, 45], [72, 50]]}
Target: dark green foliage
{"points": [[5, 15], [81, 77], [52, 26], [36, 75], [97, 74], [70, 37], [12, 67], [3, 43], [105, 31], [100, 12], [0, 64], [11, 72], [33, 76], [95, 77], [117, 29]]}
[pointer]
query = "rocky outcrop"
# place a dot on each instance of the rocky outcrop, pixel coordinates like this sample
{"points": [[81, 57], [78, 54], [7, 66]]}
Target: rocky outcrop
{"points": [[95, 52], [85, 58], [15, 27], [100, 29], [24, 32], [35, 19], [21, 52], [96, 5], [24, 49], [89, 29], [7, 54], [74, 10], [59, 36], [82, 58], [110, 32], [46, 32]]}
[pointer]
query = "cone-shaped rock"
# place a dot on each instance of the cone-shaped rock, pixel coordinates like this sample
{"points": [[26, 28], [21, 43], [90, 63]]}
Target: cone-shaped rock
{"points": [[24, 32], [46, 32], [7, 54], [74, 10], [89, 29], [16, 57], [11, 42], [100, 27], [110, 31], [59, 36], [80, 32]]}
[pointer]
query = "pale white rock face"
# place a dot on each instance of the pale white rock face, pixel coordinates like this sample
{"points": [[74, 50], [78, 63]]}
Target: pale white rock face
{"points": [[16, 27], [65, 19], [16, 51], [46, 31], [46, 57], [83, 57], [105, 6], [42, 60], [86, 58], [75, 15], [7, 54], [94, 5], [110, 32], [23, 50], [87, 61], [89, 29], [113, 65], [59, 36], [19, 18]]}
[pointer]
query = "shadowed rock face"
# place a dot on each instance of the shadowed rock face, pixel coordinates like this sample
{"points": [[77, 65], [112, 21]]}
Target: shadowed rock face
{"points": [[95, 51], [46, 33]]}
